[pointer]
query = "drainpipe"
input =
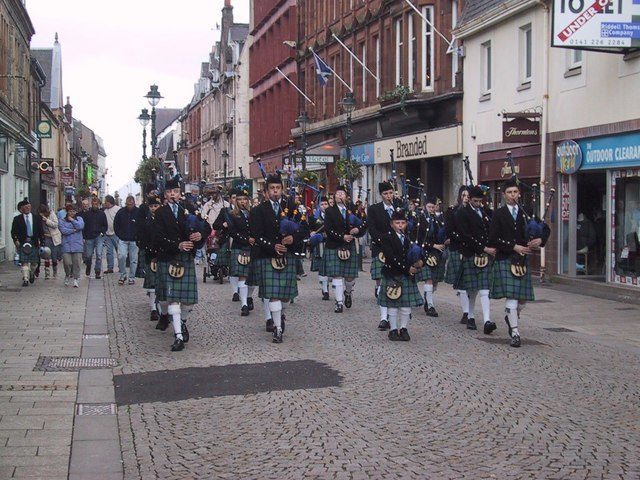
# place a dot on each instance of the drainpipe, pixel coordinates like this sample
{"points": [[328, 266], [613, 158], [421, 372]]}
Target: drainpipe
{"points": [[544, 128]]}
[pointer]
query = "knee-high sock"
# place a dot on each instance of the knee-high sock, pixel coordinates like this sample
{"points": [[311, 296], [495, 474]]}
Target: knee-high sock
{"points": [[243, 291], [184, 312], [384, 312], [324, 283], [234, 284], [428, 293], [464, 300], [276, 313], [26, 270], [176, 319], [512, 312], [164, 307], [472, 302], [151, 293], [250, 290], [267, 311], [378, 287], [486, 305], [405, 315], [348, 286], [338, 284], [393, 318]]}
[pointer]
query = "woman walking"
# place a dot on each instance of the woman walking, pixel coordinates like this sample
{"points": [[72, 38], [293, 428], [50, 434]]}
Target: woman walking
{"points": [[52, 240], [71, 228]]}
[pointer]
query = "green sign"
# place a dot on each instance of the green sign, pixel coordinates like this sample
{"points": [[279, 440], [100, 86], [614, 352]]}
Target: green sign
{"points": [[89, 174], [43, 129]]}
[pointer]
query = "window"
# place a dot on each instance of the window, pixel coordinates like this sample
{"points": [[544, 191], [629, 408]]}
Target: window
{"points": [[364, 73], [525, 54], [574, 59], [1, 235], [485, 67], [454, 57], [626, 262], [428, 53], [399, 45], [413, 52], [376, 42]]}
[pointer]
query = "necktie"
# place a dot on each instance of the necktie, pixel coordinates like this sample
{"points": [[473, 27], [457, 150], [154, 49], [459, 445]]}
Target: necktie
{"points": [[174, 209], [343, 211], [389, 212], [29, 226], [401, 239], [479, 212], [514, 212], [276, 208]]}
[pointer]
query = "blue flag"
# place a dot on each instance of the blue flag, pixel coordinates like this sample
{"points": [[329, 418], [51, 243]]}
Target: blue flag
{"points": [[322, 69]]}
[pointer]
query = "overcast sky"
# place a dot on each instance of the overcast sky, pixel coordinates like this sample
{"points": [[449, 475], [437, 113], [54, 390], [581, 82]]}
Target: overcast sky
{"points": [[112, 51]]}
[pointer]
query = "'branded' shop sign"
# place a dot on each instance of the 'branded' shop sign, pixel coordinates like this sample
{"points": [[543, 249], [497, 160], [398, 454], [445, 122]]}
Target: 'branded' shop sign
{"points": [[434, 143]]}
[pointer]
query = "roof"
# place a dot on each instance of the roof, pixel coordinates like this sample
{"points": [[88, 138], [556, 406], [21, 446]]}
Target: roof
{"points": [[44, 57], [476, 8], [238, 32], [165, 117]]}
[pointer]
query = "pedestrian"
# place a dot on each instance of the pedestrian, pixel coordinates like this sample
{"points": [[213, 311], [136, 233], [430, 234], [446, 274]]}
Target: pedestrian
{"points": [[241, 250], [124, 226], [95, 228], [110, 238], [176, 241], [52, 240], [71, 227], [27, 235]]}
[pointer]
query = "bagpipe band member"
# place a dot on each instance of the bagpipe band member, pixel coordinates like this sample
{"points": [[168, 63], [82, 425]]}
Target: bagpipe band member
{"points": [[276, 238], [340, 255], [241, 249], [472, 224], [378, 223], [399, 290], [454, 263], [27, 235], [178, 235], [433, 237], [149, 261], [510, 275], [318, 238]]}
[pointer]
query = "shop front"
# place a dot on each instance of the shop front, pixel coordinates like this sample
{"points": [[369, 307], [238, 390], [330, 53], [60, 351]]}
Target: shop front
{"points": [[599, 201]]}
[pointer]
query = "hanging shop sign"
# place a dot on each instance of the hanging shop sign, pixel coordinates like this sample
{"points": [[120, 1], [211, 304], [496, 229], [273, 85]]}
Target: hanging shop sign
{"points": [[521, 130], [363, 154], [43, 129], [615, 151], [568, 157]]}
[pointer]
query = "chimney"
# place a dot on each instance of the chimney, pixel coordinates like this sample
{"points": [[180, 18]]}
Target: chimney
{"points": [[227, 4], [68, 112]]}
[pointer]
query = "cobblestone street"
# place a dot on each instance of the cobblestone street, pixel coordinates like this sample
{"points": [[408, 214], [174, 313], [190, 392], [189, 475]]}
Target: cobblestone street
{"points": [[448, 404]]}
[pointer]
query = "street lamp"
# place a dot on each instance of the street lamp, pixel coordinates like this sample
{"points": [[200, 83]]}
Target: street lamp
{"points": [[154, 97], [349, 105], [225, 159], [303, 122], [144, 119]]}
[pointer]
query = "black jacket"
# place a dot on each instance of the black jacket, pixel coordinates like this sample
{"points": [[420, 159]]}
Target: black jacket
{"points": [[429, 226], [146, 232], [395, 255], [505, 232], [450, 226], [95, 223], [124, 224], [473, 230], [170, 231], [337, 227], [239, 230], [378, 224], [265, 228], [19, 230]]}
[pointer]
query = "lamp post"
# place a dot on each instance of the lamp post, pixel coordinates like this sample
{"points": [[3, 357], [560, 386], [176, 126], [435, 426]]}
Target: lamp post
{"points": [[225, 159], [154, 97], [349, 105], [303, 122], [144, 119]]}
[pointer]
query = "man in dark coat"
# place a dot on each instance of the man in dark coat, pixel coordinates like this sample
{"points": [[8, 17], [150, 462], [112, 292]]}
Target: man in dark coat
{"points": [[95, 227], [454, 263], [27, 234]]}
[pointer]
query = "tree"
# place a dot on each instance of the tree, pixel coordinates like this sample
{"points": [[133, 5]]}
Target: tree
{"points": [[349, 170], [147, 171]]}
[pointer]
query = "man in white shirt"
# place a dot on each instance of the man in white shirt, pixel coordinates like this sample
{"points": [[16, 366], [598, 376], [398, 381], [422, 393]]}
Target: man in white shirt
{"points": [[110, 239], [27, 234]]}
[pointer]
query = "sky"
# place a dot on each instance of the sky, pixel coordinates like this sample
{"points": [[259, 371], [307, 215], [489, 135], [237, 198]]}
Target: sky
{"points": [[112, 51]]}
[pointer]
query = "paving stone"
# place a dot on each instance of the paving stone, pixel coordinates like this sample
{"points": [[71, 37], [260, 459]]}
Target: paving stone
{"points": [[95, 456], [96, 427]]}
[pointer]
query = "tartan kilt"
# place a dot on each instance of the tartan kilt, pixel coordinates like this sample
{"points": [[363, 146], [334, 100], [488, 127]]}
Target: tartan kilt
{"points": [[253, 274], [435, 274], [183, 290], [473, 278], [150, 277], [336, 268], [505, 285], [454, 264], [317, 263], [277, 284], [33, 257], [141, 269], [411, 296], [376, 268], [235, 269], [223, 259]]}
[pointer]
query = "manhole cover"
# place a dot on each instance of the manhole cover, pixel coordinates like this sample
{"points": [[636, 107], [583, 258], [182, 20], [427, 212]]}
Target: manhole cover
{"points": [[559, 329], [96, 409], [505, 341], [208, 382], [72, 364]]}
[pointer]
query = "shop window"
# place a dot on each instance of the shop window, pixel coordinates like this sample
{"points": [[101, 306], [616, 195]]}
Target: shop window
{"points": [[627, 228]]}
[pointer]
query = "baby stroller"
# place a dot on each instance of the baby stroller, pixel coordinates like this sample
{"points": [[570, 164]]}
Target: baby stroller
{"points": [[212, 267]]}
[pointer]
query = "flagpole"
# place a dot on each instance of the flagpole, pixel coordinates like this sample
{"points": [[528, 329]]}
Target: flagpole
{"points": [[354, 56], [296, 87], [449, 43], [333, 71]]}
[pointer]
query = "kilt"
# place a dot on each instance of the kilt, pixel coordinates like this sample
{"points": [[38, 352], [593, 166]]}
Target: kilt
{"points": [[277, 284], [317, 260], [453, 267], [473, 278], [150, 279], [376, 268], [183, 290], [141, 269], [336, 268], [505, 285], [223, 259], [253, 274], [33, 257], [435, 274], [411, 296], [235, 269]]}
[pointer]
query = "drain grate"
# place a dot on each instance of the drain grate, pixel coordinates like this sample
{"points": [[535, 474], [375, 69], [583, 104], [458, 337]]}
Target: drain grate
{"points": [[559, 330], [89, 336], [625, 309], [36, 388], [96, 409], [505, 341], [72, 364]]}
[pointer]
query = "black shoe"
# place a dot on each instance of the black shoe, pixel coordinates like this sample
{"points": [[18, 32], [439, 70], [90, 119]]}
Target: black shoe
{"points": [[32, 278], [163, 322], [177, 345], [87, 270], [489, 327], [465, 317], [250, 303], [244, 311], [404, 335], [431, 312], [348, 301], [236, 297], [338, 308], [515, 341], [270, 325], [185, 332], [471, 324], [393, 335], [283, 319], [154, 317], [108, 270], [384, 325], [98, 276], [277, 336], [325, 295], [25, 283], [506, 319], [375, 292]]}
